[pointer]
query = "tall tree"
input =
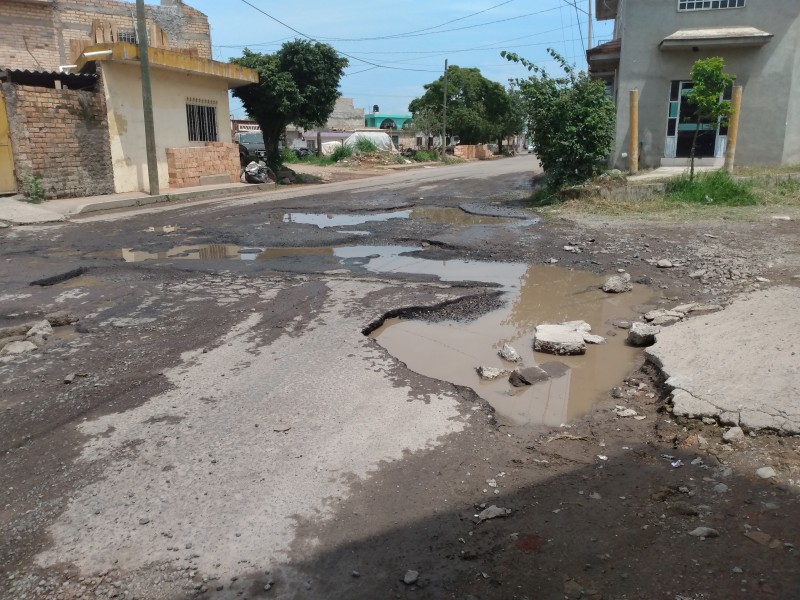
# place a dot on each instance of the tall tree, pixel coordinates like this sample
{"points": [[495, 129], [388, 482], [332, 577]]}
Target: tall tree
{"points": [[298, 84], [709, 81], [428, 123], [570, 118], [475, 105]]}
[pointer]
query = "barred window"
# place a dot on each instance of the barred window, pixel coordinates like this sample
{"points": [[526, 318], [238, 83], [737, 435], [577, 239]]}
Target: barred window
{"points": [[709, 4], [126, 35], [201, 118]]}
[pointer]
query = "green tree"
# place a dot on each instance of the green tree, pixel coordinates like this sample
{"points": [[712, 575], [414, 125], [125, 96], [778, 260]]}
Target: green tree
{"points": [[709, 81], [475, 105], [570, 119], [428, 123], [298, 84]]}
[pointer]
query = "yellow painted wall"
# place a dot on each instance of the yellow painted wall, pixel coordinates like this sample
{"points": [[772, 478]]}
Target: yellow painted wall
{"points": [[126, 121]]}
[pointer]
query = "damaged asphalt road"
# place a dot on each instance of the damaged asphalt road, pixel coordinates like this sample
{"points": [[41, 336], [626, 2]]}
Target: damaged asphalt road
{"points": [[217, 425]]}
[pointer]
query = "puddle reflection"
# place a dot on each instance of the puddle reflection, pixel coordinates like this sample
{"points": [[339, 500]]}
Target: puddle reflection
{"points": [[451, 351]]}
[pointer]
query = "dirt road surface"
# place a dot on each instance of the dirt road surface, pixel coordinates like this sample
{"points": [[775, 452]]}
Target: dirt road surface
{"points": [[208, 417]]}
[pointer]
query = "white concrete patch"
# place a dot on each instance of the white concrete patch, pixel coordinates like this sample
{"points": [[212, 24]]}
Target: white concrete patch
{"points": [[268, 435], [741, 365]]}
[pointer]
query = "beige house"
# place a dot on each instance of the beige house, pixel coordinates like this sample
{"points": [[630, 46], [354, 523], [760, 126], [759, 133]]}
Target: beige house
{"points": [[74, 77], [655, 44]]}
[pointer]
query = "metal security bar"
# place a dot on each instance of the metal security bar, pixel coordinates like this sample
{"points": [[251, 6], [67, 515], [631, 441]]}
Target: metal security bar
{"points": [[709, 4], [201, 119]]}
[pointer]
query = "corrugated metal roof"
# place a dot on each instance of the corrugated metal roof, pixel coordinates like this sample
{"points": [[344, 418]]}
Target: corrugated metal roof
{"points": [[72, 81]]}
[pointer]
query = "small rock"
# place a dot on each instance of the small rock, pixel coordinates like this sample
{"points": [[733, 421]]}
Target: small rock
{"points": [[642, 334], [704, 532], [618, 284], [659, 313], [61, 318], [697, 274], [493, 512], [508, 353], [621, 323], [766, 472], [491, 372], [18, 348], [410, 577], [622, 411], [734, 434], [551, 261], [737, 570], [664, 321], [355, 574], [720, 488], [527, 376], [664, 264], [144, 521], [69, 378], [781, 218], [593, 339], [42, 329]]}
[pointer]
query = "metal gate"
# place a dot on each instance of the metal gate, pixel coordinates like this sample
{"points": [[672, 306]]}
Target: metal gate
{"points": [[8, 183]]}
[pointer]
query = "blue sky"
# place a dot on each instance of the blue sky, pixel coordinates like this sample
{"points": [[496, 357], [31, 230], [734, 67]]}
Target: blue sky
{"points": [[408, 41]]}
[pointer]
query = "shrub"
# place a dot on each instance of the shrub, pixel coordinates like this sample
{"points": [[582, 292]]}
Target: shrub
{"points": [[32, 189], [289, 156], [716, 187], [342, 152], [426, 155], [364, 146]]}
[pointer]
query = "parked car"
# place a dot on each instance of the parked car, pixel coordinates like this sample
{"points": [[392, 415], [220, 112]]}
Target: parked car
{"points": [[253, 142]]}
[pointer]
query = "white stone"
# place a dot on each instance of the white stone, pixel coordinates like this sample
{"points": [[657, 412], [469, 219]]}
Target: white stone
{"points": [[508, 353], [642, 334], [561, 339], [490, 372], [40, 328], [734, 434], [18, 348], [766, 472]]}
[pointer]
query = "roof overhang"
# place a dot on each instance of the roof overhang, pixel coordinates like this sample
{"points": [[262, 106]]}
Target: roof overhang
{"points": [[47, 79], [168, 60], [715, 37], [604, 57], [605, 9]]}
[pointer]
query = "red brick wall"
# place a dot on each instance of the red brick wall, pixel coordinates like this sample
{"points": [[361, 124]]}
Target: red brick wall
{"points": [[41, 35], [62, 137], [480, 152], [186, 165]]}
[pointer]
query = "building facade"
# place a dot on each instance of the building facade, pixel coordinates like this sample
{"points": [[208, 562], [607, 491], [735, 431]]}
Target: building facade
{"points": [[655, 44]]}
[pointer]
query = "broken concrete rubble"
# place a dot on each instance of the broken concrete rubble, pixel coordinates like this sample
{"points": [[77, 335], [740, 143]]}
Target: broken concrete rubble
{"points": [[568, 338], [642, 334], [618, 284], [508, 353], [491, 373], [528, 376]]}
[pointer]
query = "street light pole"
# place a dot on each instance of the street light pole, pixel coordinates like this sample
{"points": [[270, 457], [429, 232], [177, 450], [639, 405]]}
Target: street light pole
{"points": [[147, 99]]}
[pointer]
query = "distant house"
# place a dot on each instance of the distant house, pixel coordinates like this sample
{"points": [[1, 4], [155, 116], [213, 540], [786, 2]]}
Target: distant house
{"points": [[71, 84], [655, 44]]}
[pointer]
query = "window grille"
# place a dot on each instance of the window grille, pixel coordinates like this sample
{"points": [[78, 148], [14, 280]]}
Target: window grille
{"points": [[709, 4], [201, 118], [126, 35]]}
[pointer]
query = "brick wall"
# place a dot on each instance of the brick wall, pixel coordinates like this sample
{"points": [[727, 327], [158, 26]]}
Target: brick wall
{"points": [[481, 152], [62, 137], [187, 165], [46, 35]]}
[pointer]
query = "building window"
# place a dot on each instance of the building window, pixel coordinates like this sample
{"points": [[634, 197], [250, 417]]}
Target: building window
{"points": [[127, 35], [709, 4], [201, 118]]}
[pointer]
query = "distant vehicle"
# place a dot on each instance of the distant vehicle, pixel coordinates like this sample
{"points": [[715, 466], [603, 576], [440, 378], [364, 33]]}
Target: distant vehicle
{"points": [[253, 142]]}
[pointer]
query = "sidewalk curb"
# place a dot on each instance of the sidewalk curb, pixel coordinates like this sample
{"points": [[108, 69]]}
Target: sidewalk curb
{"points": [[171, 197]]}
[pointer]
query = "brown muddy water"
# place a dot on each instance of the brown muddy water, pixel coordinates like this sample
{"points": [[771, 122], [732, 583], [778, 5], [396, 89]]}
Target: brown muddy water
{"points": [[451, 351], [440, 216]]}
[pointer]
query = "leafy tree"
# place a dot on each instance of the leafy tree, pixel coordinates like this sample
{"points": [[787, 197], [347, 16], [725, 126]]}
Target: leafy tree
{"points": [[709, 81], [298, 84], [570, 118], [475, 105], [428, 123]]}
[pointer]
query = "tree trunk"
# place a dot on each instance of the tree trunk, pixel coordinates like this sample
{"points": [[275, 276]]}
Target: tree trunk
{"points": [[694, 150]]}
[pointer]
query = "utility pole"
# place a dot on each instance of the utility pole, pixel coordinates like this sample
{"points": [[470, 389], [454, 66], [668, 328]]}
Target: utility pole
{"points": [[147, 99], [589, 45], [444, 115]]}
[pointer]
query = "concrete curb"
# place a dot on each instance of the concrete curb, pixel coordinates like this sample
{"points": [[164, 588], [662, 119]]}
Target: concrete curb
{"points": [[90, 207]]}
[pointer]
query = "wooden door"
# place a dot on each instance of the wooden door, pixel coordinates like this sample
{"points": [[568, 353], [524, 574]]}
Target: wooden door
{"points": [[8, 183]]}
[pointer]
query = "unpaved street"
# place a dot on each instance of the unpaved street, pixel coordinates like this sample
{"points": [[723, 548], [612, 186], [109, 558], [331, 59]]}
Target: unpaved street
{"points": [[276, 397]]}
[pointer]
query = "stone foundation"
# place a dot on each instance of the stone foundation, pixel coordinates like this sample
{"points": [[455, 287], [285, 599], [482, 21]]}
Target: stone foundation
{"points": [[198, 165]]}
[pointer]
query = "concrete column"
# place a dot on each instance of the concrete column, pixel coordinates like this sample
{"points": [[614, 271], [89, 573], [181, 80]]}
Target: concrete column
{"points": [[633, 134], [733, 128]]}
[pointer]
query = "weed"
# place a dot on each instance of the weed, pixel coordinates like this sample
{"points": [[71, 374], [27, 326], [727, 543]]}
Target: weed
{"points": [[426, 156], [289, 156], [342, 152], [716, 188], [32, 189], [365, 146]]}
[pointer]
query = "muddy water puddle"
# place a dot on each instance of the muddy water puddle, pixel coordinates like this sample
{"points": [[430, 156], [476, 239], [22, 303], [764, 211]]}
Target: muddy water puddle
{"points": [[439, 216], [451, 351]]}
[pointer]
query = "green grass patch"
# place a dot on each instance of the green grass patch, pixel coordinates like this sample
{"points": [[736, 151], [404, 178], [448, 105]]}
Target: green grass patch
{"points": [[714, 188], [365, 146], [342, 152], [426, 155]]}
